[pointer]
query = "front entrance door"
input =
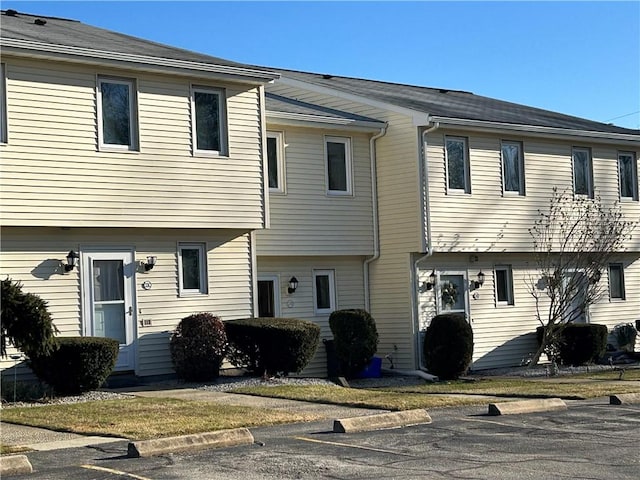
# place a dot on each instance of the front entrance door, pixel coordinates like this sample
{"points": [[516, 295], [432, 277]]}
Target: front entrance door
{"points": [[268, 296], [108, 306], [451, 292]]}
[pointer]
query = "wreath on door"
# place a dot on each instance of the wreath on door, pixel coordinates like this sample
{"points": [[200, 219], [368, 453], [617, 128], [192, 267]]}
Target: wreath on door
{"points": [[449, 294]]}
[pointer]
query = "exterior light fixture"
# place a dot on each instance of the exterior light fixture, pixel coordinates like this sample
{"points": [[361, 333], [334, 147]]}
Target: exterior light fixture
{"points": [[480, 280], [72, 260], [151, 262], [432, 281], [293, 284]]}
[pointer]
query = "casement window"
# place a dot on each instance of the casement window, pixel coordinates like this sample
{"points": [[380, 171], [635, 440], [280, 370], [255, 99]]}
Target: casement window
{"points": [[338, 163], [582, 172], [3, 105], [457, 165], [616, 281], [324, 291], [209, 126], [192, 269], [504, 285], [117, 119], [275, 161], [512, 168], [628, 175]]}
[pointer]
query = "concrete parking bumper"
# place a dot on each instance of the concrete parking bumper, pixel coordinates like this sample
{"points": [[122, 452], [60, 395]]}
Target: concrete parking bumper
{"points": [[624, 398], [217, 439], [381, 421], [527, 406], [14, 465]]}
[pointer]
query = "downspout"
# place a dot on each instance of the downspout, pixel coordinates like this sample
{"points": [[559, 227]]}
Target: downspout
{"points": [[426, 223], [374, 204]]}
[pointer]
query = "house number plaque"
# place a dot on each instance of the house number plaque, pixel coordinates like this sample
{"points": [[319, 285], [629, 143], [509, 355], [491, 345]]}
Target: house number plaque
{"points": [[146, 285]]}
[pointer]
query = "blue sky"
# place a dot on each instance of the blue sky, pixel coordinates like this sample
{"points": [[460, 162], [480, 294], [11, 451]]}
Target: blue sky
{"points": [[578, 58]]}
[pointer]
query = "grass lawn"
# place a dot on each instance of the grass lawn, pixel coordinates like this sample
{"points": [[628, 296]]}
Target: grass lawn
{"points": [[145, 418]]}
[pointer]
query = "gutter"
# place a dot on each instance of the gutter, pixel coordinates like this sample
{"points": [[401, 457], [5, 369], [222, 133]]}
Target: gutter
{"points": [[322, 121], [374, 205]]}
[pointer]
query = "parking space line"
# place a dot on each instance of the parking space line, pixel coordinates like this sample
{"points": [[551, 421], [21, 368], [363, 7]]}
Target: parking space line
{"points": [[115, 472], [338, 444]]}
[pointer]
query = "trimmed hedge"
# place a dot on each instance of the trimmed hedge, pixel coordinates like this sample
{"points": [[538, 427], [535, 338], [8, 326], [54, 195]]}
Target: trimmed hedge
{"points": [[275, 346], [355, 339], [79, 364], [198, 347], [580, 343], [448, 346]]}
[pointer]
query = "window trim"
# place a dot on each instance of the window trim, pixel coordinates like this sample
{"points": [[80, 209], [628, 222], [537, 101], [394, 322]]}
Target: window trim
{"points": [[521, 177], [634, 175], [510, 301], [3, 104], [202, 258], [279, 137], [332, 291], [346, 141], [590, 187], [466, 166], [133, 113], [623, 293], [222, 116]]}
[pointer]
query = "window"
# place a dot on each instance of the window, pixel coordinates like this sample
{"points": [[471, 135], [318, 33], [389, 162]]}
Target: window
{"points": [[192, 268], [616, 281], [628, 172], [275, 160], [208, 116], [504, 285], [338, 158], [3, 105], [512, 167], [116, 114], [458, 176], [582, 172], [268, 296], [324, 291]]}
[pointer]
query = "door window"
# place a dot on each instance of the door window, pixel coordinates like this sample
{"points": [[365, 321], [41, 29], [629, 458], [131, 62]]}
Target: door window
{"points": [[451, 292], [109, 314]]}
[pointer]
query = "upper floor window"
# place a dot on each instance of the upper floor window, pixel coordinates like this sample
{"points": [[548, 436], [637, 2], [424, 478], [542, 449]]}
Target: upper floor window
{"points": [[512, 167], [192, 269], [338, 159], [275, 161], [582, 172], [3, 105], [504, 285], [208, 116], [628, 174], [616, 281], [458, 172], [324, 283], [116, 113]]}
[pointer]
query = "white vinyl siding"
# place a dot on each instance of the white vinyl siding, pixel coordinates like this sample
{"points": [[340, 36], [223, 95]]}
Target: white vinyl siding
{"points": [[628, 175], [275, 161], [582, 172], [3, 104], [457, 163], [503, 285], [512, 167], [616, 281], [117, 119], [338, 162], [208, 120], [192, 269], [324, 291]]}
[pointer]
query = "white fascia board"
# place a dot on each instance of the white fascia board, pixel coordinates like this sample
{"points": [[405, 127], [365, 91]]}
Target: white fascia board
{"points": [[319, 121], [419, 118], [141, 62], [538, 131]]}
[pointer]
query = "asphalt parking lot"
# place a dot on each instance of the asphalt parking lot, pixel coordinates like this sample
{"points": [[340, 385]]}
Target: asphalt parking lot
{"points": [[591, 439]]}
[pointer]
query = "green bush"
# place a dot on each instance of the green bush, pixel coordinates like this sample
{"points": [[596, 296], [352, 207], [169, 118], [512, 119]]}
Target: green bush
{"points": [[355, 339], [79, 364], [625, 334], [198, 346], [276, 346], [448, 346], [25, 321], [579, 343]]}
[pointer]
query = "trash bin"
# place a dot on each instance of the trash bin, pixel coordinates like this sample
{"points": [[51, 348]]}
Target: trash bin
{"points": [[333, 366], [373, 370]]}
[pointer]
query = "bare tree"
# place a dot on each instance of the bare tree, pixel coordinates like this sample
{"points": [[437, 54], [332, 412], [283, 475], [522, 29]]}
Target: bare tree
{"points": [[574, 241]]}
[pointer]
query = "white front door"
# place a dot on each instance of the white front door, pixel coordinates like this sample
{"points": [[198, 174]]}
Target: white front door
{"points": [[451, 292], [108, 300]]}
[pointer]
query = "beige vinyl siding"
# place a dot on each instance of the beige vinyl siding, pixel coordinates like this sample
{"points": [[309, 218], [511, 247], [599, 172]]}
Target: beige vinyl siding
{"points": [[34, 256], [487, 220], [53, 149], [305, 219], [300, 304]]}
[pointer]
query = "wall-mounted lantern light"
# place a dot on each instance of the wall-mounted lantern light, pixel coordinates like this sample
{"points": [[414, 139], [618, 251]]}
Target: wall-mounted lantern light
{"points": [[431, 283], [151, 262], [72, 260], [293, 284], [480, 280]]}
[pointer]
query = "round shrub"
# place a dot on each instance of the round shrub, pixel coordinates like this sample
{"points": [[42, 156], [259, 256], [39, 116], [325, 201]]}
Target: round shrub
{"points": [[276, 346], [582, 343], [355, 339], [198, 346], [79, 364], [448, 346]]}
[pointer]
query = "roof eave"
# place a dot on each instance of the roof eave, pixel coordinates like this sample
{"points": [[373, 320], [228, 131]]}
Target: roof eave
{"points": [[537, 130], [47, 51], [319, 121]]}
